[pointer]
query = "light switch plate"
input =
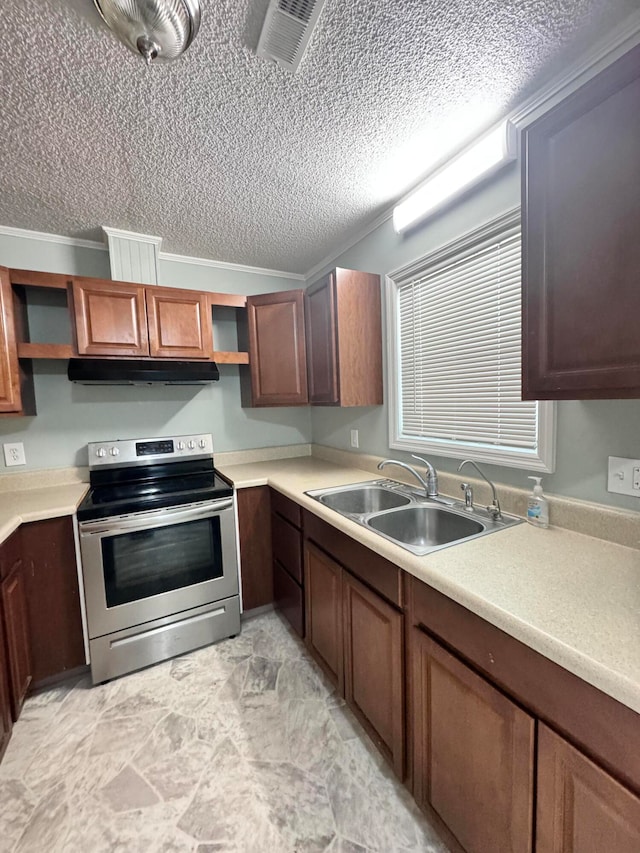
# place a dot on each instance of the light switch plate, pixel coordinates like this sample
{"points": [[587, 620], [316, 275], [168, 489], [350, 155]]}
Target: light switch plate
{"points": [[624, 476], [354, 438], [14, 454]]}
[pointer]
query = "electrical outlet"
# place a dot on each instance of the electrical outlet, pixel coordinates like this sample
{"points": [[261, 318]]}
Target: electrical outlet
{"points": [[354, 438], [14, 454]]}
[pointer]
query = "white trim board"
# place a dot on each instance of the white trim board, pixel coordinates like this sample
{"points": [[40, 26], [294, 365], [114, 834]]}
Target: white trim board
{"points": [[225, 265], [26, 234]]}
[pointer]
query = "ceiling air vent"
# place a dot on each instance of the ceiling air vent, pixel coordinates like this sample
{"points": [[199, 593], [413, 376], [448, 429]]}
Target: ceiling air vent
{"points": [[287, 29]]}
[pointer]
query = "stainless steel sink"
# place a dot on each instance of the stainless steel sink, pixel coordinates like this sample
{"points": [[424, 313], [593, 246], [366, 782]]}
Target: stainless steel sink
{"points": [[363, 499], [425, 526], [404, 516]]}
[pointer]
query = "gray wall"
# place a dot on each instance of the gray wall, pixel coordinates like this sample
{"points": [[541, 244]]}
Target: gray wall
{"points": [[587, 432], [70, 415]]}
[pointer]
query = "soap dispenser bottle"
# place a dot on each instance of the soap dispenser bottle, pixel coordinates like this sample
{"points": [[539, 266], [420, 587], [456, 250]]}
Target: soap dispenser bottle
{"points": [[537, 505]]}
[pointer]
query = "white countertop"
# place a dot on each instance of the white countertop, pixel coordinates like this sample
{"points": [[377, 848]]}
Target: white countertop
{"points": [[574, 599], [34, 504]]}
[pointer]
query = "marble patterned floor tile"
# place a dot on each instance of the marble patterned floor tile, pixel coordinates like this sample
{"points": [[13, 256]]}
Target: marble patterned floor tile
{"points": [[240, 747], [128, 791]]}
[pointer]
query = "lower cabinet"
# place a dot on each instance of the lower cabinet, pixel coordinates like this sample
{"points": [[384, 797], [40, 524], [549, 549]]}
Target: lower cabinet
{"points": [[323, 590], [16, 631], [52, 597], [373, 668], [5, 698], [484, 750], [473, 753], [288, 574], [357, 638], [580, 808], [254, 525]]}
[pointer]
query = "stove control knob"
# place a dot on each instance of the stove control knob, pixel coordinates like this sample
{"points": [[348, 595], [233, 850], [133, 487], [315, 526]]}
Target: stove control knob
{"points": [[202, 443], [114, 451], [191, 444], [101, 452], [180, 445]]}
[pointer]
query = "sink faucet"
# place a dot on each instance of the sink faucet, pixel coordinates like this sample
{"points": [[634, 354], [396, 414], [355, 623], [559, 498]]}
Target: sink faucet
{"points": [[430, 485], [494, 509]]}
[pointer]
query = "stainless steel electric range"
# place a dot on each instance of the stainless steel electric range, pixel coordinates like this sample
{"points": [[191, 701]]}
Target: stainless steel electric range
{"points": [[159, 552]]}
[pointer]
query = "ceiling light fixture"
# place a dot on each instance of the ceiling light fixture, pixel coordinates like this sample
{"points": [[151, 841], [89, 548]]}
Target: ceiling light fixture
{"points": [[155, 29], [474, 164]]}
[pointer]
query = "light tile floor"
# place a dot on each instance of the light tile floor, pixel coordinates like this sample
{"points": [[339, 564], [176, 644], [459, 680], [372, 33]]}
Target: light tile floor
{"points": [[240, 747]]}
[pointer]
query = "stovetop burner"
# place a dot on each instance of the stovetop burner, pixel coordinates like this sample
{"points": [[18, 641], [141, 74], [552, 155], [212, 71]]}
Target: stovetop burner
{"points": [[143, 474]]}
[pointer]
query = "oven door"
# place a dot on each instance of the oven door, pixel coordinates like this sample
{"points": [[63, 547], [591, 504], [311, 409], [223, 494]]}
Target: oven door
{"points": [[152, 564]]}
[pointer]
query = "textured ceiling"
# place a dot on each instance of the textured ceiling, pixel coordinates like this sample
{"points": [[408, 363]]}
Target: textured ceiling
{"points": [[231, 158]]}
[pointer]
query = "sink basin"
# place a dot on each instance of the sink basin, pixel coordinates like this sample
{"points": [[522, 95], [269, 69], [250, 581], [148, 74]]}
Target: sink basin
{"points": [[362, 500], [408, 518], [425, 527]]}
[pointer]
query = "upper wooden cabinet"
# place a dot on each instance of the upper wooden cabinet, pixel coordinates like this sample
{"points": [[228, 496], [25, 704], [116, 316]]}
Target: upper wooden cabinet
{"points": [[179, 323], [16, 385], [111, 318], [121, 319], [581, 249], [344, 339], [327, 338], [9, 382], [277, 349]]}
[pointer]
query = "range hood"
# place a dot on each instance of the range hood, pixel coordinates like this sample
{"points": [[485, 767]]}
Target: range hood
{"points": [[99, 371]]}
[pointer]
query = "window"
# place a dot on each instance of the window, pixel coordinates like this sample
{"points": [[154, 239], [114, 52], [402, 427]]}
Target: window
{"points": [[454, 354]]}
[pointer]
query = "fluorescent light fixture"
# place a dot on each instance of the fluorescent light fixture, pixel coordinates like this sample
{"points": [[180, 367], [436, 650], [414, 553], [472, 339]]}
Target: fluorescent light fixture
{"points": [[474, 164]]}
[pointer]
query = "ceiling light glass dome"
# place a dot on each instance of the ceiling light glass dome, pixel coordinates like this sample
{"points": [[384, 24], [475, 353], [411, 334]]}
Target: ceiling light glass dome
{"points": [[155, 29]]}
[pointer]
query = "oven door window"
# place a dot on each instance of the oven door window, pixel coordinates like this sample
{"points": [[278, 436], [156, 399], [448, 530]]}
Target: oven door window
{"points": [[150, 562]]}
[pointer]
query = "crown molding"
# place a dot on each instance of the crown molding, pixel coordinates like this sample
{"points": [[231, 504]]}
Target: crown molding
{"points": [[605, 51], [164, 256], [224, 265], [386, 214], [52, 238], [118, 233]]}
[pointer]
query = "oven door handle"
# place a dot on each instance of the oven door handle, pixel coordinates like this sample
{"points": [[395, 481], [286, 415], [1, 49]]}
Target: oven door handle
{"points": [[147, 521]]}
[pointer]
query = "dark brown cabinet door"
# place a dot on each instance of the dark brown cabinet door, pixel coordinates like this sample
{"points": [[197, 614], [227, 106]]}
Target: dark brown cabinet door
{"points": [[179, 323], [9, 369], [322, 341], [5, 700], [277, 359], [110, 317], [288, 597], [287, 546], [580, 808], [14, 608], [374, 668], [323, 614], [254, 525], [581, 250], [288, 572], [473, 753], [344, 339], [53, 597]]}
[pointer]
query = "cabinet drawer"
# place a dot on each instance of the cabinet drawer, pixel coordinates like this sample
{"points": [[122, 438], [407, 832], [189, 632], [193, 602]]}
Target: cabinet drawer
{"points": [[287, 546], [286, 508], [10, 554], [288, 598]]}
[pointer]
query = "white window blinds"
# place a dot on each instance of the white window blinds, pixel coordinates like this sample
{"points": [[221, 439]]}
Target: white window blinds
{"points": [[458, 328]]}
